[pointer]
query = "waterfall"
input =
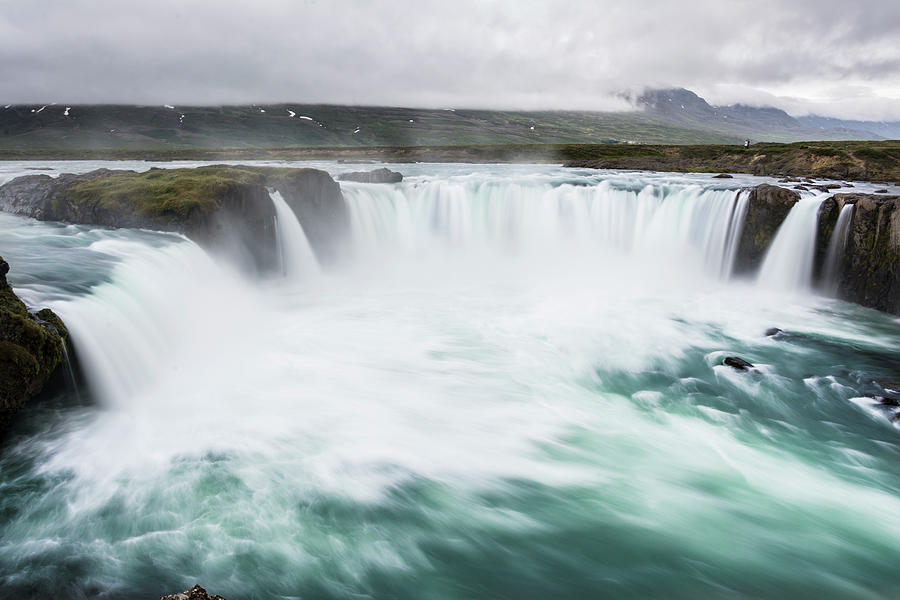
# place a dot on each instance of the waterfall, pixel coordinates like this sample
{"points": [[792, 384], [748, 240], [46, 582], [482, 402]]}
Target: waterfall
{"points": [[789, 262], [835, 255], [733, 233], [70, 370], [166, 313], [699, 228], [297, 258]]}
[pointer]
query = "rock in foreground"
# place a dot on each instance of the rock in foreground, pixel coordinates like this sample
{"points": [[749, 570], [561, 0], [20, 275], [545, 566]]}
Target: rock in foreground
{"points": [[195, 593], [31, 350]]}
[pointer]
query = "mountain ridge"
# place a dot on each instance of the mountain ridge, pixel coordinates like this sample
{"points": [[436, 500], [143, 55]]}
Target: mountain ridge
{"points": [[664, 116]]}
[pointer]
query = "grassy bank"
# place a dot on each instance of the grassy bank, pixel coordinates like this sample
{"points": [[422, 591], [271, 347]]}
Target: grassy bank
{"points": [[877, 160]]}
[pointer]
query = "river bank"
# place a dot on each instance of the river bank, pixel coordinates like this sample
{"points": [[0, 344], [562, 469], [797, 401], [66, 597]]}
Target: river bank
{"points": [[864, 161]]}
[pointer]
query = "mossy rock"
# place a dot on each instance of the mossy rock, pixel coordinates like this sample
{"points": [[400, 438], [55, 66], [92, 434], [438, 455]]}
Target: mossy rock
{"points": [[31, 350]]}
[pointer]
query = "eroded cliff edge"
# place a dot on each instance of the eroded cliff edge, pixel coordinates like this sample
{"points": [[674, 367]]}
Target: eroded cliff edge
{"points": [[33, 346], [869, 267], [222, 207]]}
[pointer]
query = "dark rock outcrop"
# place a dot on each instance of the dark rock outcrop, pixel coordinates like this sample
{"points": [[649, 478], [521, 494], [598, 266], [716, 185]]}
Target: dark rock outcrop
{"points": [[723, 176], [871, 269], [772, 331], [195, 593], [32, 348], [317, 201], [768, 206], [377, 176], [736, 362], [225, 208]]}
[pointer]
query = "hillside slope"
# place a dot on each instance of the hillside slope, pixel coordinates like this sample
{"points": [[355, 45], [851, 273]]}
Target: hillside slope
{"points": [[674, 116]]}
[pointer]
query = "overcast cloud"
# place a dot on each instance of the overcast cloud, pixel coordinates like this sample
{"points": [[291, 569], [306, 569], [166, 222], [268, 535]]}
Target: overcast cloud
{"points": [[831, 57]]}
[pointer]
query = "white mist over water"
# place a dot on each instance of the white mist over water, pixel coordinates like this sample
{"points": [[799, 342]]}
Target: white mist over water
{"points": [[514, 382]]}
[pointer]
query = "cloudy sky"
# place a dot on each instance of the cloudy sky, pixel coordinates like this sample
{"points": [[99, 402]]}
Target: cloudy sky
{"points": [[832, 57]]}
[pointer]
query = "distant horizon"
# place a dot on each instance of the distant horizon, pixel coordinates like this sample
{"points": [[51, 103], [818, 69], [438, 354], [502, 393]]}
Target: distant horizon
{"points": [[521, 55], [630, 108]]}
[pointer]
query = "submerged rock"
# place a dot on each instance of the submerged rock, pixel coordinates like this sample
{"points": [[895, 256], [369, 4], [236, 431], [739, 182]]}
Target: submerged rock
{"points": [[723, 176], [890, 385], [886, 401], [772, 331], [377, 176], [31, 350], [881, 191], [738, 363], [195, 593]]}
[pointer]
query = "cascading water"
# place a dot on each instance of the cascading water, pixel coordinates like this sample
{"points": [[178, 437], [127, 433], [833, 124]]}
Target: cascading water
{"points": [[161, 308], [789, 261], [695, 228], [834, 257], [514, 390], [298, 260]]}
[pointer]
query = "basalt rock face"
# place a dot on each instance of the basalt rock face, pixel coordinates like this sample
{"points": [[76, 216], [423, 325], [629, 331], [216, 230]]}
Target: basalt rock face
{"points": [[871, 263], [377, 176], [225, 208], [31, 350], [768, 206], [317, 201]]}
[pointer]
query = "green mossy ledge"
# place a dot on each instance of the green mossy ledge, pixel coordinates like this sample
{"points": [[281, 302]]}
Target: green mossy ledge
{"points": [[31, 350], [220, 206]]}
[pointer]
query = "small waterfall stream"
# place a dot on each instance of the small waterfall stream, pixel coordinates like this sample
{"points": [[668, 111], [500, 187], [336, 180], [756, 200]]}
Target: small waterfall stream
{"points": [[834, 257], [789, 261], [297, 258]]}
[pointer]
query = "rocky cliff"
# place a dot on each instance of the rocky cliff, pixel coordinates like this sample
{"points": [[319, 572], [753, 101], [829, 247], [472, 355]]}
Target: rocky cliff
{"points": [[768, 206], [32, 348], [225, 208], [870, 265]]}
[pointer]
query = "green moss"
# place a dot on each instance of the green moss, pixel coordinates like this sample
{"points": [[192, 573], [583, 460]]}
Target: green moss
{"points": [[19, 357], [50, 317], [828, 152], [871, 154], [31, 349], [761, 239], [166, 194]]}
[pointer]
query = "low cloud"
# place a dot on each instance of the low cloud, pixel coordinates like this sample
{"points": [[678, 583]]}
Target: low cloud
{"points": [[503, 54]]}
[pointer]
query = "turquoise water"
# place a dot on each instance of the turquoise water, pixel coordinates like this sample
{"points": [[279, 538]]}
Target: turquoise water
{"points": [[487, 400]]}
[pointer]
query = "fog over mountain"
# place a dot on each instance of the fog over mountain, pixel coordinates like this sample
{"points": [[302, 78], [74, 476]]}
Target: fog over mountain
{"points": [[506, 54]]}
